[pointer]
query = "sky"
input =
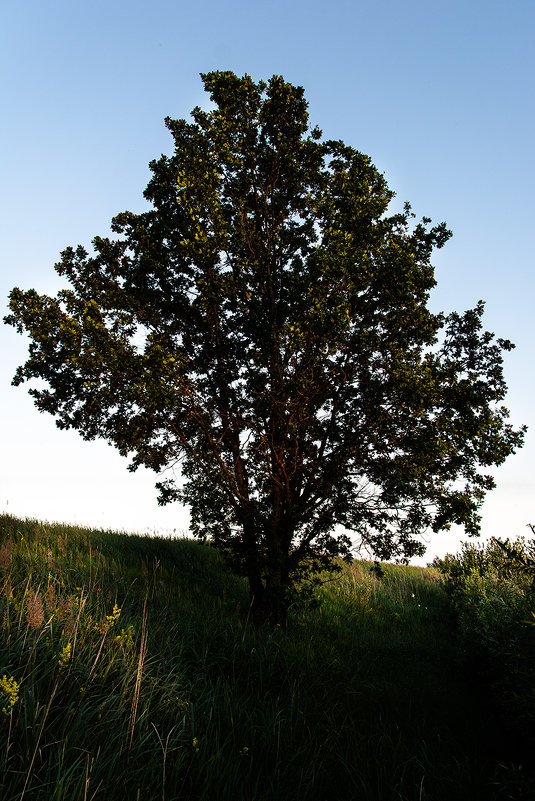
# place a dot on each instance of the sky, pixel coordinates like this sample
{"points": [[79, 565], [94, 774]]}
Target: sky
{"points": [[440, 95]]}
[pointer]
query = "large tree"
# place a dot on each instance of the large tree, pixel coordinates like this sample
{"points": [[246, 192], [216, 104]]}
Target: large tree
{"points": [[264, 326]]}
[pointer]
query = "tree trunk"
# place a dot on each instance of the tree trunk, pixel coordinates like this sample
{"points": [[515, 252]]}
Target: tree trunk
{"points": [[268, 575], [270, 608], [269, 598]]}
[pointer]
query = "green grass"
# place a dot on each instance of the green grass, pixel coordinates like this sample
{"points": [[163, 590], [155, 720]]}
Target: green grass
{"points": [[179, 697]]}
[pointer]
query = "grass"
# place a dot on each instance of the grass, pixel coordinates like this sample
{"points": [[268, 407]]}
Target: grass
{"points": [[138, 676]]}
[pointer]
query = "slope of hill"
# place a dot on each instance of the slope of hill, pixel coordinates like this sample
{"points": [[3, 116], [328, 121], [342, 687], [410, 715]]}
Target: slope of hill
{"points": [[129, 670]]}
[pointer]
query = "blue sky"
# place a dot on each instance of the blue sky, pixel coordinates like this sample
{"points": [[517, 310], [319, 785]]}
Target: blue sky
{"points": [[439, 95]]}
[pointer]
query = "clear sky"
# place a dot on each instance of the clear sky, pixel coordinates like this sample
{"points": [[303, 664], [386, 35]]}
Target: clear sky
{"points": [[440, 95]]}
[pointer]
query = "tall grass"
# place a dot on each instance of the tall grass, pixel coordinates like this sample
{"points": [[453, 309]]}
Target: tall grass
{"points": [[138, 676]]}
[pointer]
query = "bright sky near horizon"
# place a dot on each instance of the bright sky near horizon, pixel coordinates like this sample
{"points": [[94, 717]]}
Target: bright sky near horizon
{"points": [[439, 95]]}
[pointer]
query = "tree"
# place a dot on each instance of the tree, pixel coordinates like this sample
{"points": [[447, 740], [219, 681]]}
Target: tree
{"points": [[265, 326]]}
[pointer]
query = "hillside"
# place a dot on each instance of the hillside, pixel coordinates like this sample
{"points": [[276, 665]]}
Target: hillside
{"points": [[129, 670]]}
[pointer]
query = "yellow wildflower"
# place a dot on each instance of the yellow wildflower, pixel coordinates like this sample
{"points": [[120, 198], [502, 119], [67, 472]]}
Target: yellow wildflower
{"points": [[9, 692], [125, 638], [182, 705], [114, 615], [65, 656]]}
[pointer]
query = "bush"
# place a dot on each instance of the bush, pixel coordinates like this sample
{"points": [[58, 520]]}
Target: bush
{"points": [[492, 587]]}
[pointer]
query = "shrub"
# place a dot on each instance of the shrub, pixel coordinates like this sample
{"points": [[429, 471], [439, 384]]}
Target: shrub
{"points": [[492, 587]]}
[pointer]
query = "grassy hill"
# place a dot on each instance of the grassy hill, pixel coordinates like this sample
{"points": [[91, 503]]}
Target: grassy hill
{"points": [[129, 670]]}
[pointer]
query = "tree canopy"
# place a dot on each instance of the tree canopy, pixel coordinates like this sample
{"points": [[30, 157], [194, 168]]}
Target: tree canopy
{"points": [[264, 328]]}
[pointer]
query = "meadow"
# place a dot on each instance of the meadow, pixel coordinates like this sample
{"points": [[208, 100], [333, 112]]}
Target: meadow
{"points": [[129, 669]]}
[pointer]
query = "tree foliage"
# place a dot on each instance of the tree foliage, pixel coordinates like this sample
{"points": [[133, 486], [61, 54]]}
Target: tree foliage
{"points": [[264, 326]]}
